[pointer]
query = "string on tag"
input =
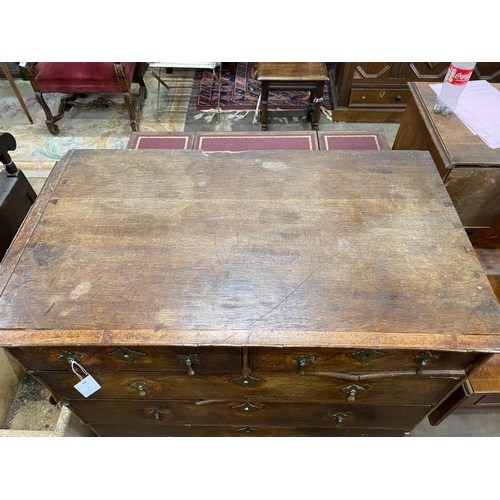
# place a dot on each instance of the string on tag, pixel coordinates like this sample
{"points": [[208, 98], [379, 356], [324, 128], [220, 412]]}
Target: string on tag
{"points": [[73, 363]]}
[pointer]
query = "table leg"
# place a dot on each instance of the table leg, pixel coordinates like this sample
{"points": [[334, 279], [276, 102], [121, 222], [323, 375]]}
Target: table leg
{"points": [[12, 83], [317, 100], [263, 105]]}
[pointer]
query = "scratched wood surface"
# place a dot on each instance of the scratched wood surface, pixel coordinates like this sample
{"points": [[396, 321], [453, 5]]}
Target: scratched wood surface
{"points": [[272, 248], [460, 145]]}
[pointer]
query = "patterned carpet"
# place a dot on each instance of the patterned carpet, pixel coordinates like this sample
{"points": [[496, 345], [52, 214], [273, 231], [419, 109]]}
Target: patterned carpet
{"points": [[81, 129], [240, 92]]}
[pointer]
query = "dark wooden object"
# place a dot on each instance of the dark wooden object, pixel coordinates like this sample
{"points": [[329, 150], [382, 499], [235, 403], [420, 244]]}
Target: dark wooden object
{"points": [[12, 83], [469, 168], [378, 92], [292, 77], [482, 388], [16, 194], [266, 293]]}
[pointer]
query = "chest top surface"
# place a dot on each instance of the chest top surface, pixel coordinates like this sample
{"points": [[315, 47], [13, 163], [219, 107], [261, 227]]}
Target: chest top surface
{"points": [[256, 248], [461, 145]]}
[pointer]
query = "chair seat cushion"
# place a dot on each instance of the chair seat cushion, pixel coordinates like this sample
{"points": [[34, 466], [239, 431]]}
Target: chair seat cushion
{"points": [[81, 77]]}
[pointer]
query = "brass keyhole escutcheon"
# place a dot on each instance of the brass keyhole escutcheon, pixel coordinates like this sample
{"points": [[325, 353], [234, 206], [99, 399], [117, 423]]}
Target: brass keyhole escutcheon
{"points": [[141, 387], [352, 390], [157, 414], [189, 360]]}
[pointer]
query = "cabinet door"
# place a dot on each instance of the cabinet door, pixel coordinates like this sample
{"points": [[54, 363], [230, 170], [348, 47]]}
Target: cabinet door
{"points": [[379, 71], [426, 71], [487, 71]]}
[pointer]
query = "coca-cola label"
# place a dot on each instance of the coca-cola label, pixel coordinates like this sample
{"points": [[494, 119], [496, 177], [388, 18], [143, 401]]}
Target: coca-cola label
{"points": [[457, 76]]}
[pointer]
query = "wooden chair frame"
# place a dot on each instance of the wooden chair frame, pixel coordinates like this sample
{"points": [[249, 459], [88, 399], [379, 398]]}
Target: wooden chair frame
{"points": [[133, 104]]}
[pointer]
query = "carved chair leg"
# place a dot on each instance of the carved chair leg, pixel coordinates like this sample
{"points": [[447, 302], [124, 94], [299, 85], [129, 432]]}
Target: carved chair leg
{"points": [[132, 112], [50, 122], [139, 78]]}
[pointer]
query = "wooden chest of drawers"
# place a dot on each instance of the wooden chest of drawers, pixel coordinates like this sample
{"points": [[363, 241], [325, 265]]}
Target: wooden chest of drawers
{"points": [[264, 293], [470, 169], [377, 91]]}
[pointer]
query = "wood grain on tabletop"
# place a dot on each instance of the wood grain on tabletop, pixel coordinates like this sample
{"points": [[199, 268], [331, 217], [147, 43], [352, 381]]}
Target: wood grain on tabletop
{"points": [[258, 247]]}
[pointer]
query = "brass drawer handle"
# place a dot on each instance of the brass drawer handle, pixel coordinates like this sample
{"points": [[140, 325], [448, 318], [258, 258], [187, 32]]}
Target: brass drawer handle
{"points": [[303, 360], [189, 360], [141, 387], [339, 417], [70, 356], [423, 359], [352, 390]]}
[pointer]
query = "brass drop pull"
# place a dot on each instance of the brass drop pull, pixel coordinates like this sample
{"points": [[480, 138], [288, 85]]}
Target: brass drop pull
{"points": [[141, 387], [352, 390], [423, 359], [189, 360], [339, 417], [303, 360]]}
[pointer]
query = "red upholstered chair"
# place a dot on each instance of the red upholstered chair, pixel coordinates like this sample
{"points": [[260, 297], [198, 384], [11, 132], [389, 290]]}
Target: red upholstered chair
{"points": [[82, 78]]}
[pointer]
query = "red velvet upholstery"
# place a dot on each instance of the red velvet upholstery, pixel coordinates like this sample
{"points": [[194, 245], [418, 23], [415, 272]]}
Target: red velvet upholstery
{"points": [[80, 77]]}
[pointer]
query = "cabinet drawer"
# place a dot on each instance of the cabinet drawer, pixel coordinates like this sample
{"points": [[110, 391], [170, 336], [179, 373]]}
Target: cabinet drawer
{"points": [[241, 412], [150, 358], [379, 97], [415, 390], [235, 431], [293, 360]]}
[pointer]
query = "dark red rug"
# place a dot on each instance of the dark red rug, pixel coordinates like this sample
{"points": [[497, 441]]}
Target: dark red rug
{"points": [[259, 141], [160, 140], [354, 141], [244, 141], [240, 92]]}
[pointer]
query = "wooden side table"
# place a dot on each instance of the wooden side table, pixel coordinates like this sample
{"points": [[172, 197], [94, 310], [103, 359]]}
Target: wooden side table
{"points": [[295, 77], [468, 167]]}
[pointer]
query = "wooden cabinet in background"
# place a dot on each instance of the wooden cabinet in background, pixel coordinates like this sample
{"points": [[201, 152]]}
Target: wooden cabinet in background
{"points": [[378, 92]]}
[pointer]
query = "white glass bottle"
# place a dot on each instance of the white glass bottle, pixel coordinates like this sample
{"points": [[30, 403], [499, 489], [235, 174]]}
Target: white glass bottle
{"points": [[456, 79]]}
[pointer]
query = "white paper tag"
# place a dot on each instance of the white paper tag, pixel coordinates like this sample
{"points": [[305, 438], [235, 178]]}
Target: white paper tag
{"points": [[87, 386]]}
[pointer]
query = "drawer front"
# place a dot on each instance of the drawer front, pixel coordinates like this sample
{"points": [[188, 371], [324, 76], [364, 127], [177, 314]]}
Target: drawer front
{"points": [[235, 431], [150, 358], [251, 412], [415, 390], [295, 360], [379, 97]]}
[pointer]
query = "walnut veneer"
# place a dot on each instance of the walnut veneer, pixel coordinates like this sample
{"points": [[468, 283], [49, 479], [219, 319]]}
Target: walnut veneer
{"points": [[264, 293]]}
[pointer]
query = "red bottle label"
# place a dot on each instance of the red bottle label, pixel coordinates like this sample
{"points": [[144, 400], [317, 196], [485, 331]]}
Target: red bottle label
{"points": [[457, 76]]}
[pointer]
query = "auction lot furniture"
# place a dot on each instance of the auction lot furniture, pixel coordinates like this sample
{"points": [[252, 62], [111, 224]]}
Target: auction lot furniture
{"points": [[482, 389], [378, 92], [82, 78], [469, 168], [265, 293], [16, 194], [292, 77]]}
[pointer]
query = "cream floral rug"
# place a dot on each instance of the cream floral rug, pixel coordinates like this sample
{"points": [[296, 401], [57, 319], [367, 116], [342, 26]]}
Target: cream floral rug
{"points": [[87, 129]]}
